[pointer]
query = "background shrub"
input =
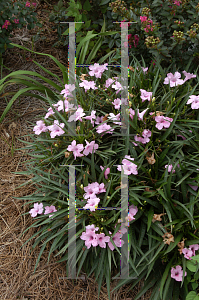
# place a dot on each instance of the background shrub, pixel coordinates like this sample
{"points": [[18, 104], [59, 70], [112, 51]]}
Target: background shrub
{"points": [[15, 14]]}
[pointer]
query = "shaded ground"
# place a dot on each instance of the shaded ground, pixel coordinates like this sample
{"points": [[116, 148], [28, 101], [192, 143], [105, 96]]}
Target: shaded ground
{"points": [[17, 277]]}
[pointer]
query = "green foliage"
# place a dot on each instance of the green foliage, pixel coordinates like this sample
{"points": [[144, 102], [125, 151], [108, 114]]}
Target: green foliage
{"points": [[155, 191], [18, 15]]}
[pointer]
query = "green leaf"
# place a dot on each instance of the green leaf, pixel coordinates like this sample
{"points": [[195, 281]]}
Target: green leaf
{"points": [[192, 266], [192, 296], [150, 217], [87, 5], [104, 2], [164, 276]]}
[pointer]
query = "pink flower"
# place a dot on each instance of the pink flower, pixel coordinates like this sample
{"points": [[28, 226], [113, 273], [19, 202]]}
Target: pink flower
{"points": [[188, 75], [99, 120], [88, 85], [90, 238], [68, 89], [102, 240], [76, 149], [117, 86], [144, 94], [92, 228], [55, 129], [38, 209], [91, 117], [187, 253], [60, 105], [77, 115], [6, 23], [117, 240], [92, 203], [141, 115], [169, 168], [115, 118], [145, 139], [132, 212], [16, 21], [177, 273], [40, 127], [107, 171], [117, 103], [163, 122], [136, 40], [173, 79], [49, 209], [50, 112], [104, 127], [128, 167], [194, 100], [90, 147], [177, 3], [193, 248], [27, 4], [194, 187], [102, 188], [109, 81], [97, 70], [145, 70], [131, 113], [34, 4], [143, 19], [94, 188]]}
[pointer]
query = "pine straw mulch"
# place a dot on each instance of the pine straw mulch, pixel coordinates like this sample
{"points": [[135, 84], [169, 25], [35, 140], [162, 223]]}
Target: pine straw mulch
{"points": [[17, 263]]}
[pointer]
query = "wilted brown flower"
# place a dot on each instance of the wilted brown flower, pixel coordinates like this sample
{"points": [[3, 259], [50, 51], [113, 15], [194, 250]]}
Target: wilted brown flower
{"points": [[181, 246], [82, 77], [67, 154], [121, 186], [168, 238], [157, 217], [105, 118], [151, 160]]}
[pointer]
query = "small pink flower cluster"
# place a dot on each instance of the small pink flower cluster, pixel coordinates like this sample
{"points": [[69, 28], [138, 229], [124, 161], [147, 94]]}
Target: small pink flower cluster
{"points": [[177, 273], [145, 137], [170, 168], [140, 115], [91, 191], [128, 167], [97, 70], [76, 149], [16, 21], [38, 209], [175, 80], [188, 253], [6, 23], [147, 23], [177, 2], [27, 4], [56, 128], [91, 238], [134, 40]]}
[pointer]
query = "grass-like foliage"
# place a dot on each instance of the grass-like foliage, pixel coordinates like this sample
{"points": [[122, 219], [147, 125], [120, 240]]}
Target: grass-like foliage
{"points": [[160, 158]]}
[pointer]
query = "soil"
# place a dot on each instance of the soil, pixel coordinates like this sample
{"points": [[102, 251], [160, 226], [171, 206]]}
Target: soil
{"points": [[17, 277]]}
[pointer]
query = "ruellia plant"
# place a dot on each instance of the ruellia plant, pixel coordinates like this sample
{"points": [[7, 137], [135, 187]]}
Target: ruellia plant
{"points": [[159, 157], [15, 14], [167, 29]]}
